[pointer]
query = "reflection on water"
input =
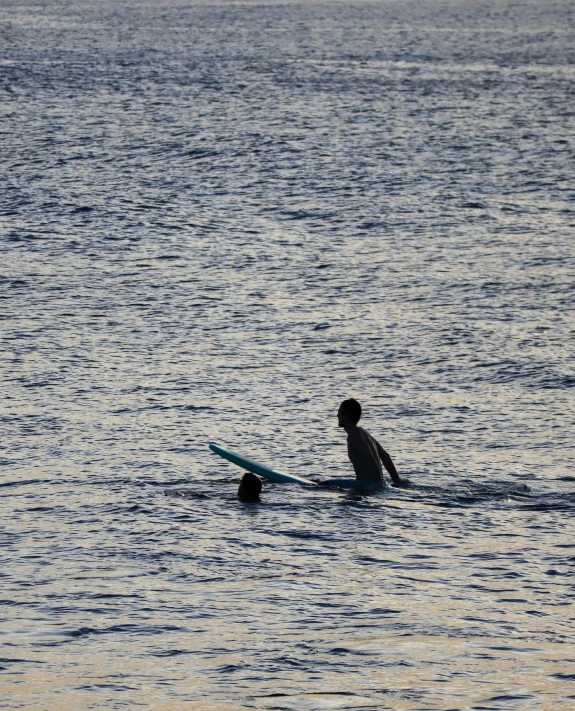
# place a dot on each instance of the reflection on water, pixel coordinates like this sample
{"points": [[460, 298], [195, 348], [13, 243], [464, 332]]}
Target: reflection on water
{"points": [[217, 222]]}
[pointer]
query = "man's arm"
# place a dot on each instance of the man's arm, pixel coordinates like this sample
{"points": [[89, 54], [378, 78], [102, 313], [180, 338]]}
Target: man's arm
{"points": [[388, 464]]}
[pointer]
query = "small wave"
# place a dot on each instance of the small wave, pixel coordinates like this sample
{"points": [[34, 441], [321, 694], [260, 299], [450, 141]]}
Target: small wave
{"points": [[25, 482], [132, 629]]}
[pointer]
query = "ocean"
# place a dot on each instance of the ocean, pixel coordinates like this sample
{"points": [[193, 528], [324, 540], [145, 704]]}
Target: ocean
{"points": [[219, 220]]}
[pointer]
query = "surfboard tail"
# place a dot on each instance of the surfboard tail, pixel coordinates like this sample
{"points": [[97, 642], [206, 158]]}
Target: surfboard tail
{"points": [[259, 469]]}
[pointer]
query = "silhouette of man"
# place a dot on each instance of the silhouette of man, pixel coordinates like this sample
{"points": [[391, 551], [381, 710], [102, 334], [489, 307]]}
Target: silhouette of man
{"points": [[250, 488], [365, 452]]}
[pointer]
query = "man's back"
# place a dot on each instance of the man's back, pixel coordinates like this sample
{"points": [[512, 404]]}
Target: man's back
{"points": [[362, 451]]}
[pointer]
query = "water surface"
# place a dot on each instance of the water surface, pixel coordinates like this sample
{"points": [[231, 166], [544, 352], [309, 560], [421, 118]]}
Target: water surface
{"points": [[218, 221]]}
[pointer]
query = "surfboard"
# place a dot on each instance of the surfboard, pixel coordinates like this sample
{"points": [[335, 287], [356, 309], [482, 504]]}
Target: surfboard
{"points": [[259, 469]]}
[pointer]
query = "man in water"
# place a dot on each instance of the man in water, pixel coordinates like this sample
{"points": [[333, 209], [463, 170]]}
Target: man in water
{"points": [[248, 493], [365, 452], [250, 488]]}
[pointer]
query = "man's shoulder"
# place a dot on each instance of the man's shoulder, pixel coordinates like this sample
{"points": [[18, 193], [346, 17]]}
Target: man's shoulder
{"points": [[364, 434], [355, 432], [358, 435]]}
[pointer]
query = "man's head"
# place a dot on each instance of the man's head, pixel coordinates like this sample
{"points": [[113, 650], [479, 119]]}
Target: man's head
{"points": [[250, 488], [349, 412]]}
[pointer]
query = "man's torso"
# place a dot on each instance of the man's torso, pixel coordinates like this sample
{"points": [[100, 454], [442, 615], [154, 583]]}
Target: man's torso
{"points": [[362, 452]]}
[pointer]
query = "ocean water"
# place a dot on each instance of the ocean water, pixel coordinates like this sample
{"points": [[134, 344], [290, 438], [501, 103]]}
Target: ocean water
{"points": [[217, 221]]}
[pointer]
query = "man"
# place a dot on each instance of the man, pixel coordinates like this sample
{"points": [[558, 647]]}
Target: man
{"points": [[250, 489], [365, 452], [248, 492]]}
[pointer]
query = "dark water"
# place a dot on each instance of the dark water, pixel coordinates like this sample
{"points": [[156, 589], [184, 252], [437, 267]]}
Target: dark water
{"points": [[219, 220]]}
